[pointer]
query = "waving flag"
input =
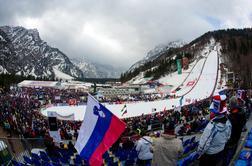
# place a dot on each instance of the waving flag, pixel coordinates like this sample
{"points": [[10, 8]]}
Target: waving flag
{"points": [[124, 110], [99, 130]]}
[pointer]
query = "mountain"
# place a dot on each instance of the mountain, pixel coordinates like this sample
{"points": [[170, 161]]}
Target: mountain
{"points": [[95, 70], [23, 52], [88, 69], [156, 52], [235, 53]]}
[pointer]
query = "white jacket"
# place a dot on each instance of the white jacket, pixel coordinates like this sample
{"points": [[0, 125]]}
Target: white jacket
{"points": [[144, 148], [214, 137]]}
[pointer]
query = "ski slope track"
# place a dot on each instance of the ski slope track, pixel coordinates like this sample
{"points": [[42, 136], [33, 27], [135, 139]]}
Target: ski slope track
{"points": [[205, 72]]}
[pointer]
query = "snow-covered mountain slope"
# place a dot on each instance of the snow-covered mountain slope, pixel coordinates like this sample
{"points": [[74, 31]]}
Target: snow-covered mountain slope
{"points": [[156, 52], [23, 52], [190, 75], [203, 88], [95, 70], [88, 69]]}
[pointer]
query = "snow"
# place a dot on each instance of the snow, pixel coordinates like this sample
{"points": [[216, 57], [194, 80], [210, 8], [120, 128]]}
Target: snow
{"points": [[203, 88], [192, 77], [61, 75], [206, 84], [30, 83], [3, 70], [195, 73], [139, 79], [2, 39], [33, 72], [27, 43], [221, 83], [175, 79]]}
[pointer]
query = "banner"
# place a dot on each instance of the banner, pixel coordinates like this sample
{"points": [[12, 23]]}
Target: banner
{"points": [[179, 66], [190, 83], [66, 117], [53, 126]]}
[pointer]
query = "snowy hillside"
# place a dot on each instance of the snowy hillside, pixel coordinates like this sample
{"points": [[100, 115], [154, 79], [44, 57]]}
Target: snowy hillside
{"points": [[204, 71], [157, 51], [23, 52]]}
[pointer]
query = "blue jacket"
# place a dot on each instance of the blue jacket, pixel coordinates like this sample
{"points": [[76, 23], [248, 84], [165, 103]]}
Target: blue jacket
{"points": [[214, 137]]}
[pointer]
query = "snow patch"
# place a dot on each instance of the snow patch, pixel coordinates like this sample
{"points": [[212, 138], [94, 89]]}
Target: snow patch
{"points": [[61, 75]]}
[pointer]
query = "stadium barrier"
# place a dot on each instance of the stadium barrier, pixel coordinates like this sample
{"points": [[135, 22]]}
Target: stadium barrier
{"points": [[155, 127], [16, 148]]}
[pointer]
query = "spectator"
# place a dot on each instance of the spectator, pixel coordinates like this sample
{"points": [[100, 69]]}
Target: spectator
{"points": [[216, 134], [237, 118], [167, 149], [144, 150], [128, 144], [71, 146], [76, 134]]}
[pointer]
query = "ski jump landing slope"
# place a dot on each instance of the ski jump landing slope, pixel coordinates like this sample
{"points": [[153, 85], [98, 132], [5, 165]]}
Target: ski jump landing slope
{"points": [[206, 72]]}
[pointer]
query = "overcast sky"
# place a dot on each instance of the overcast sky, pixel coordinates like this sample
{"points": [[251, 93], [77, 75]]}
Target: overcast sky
{"points": [[120, 32]]}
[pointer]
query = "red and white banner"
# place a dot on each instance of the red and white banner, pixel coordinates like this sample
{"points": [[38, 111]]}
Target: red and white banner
{"points": [[190, 83]]}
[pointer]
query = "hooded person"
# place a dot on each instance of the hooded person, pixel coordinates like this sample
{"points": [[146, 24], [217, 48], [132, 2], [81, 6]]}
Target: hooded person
{"points": [[144, 149], [237, 118], [243, 101], [167, 149], [216, 134]]}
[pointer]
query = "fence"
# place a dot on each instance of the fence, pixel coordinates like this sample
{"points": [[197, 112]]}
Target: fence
{"points": [[156, 127]]}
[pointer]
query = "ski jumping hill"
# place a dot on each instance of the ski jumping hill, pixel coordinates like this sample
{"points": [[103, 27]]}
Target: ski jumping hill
{"points": [[204, 73]]}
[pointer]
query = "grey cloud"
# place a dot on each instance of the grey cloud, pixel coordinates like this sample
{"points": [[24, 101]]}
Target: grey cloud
{"points": [[121, 32]]}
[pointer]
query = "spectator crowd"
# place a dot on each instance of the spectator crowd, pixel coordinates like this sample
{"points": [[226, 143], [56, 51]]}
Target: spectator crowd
{"points": [[20, 115]]}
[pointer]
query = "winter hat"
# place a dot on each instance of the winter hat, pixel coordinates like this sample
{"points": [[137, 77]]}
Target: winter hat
{"points": [[241, 94], [218, 105]]}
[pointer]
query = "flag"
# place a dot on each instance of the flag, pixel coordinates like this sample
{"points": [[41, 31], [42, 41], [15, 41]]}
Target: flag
{"points": [[99, 130], [124, 107], [181, 101], [124, 110]]}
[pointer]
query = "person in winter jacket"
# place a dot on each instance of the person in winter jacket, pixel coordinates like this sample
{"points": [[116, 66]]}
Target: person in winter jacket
{"points": [[216, 134], [237, 118], [144, 150], [167, 149]]}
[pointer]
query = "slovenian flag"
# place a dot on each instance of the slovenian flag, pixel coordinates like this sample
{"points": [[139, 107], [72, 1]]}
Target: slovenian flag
{"points": [[99, 130]]}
